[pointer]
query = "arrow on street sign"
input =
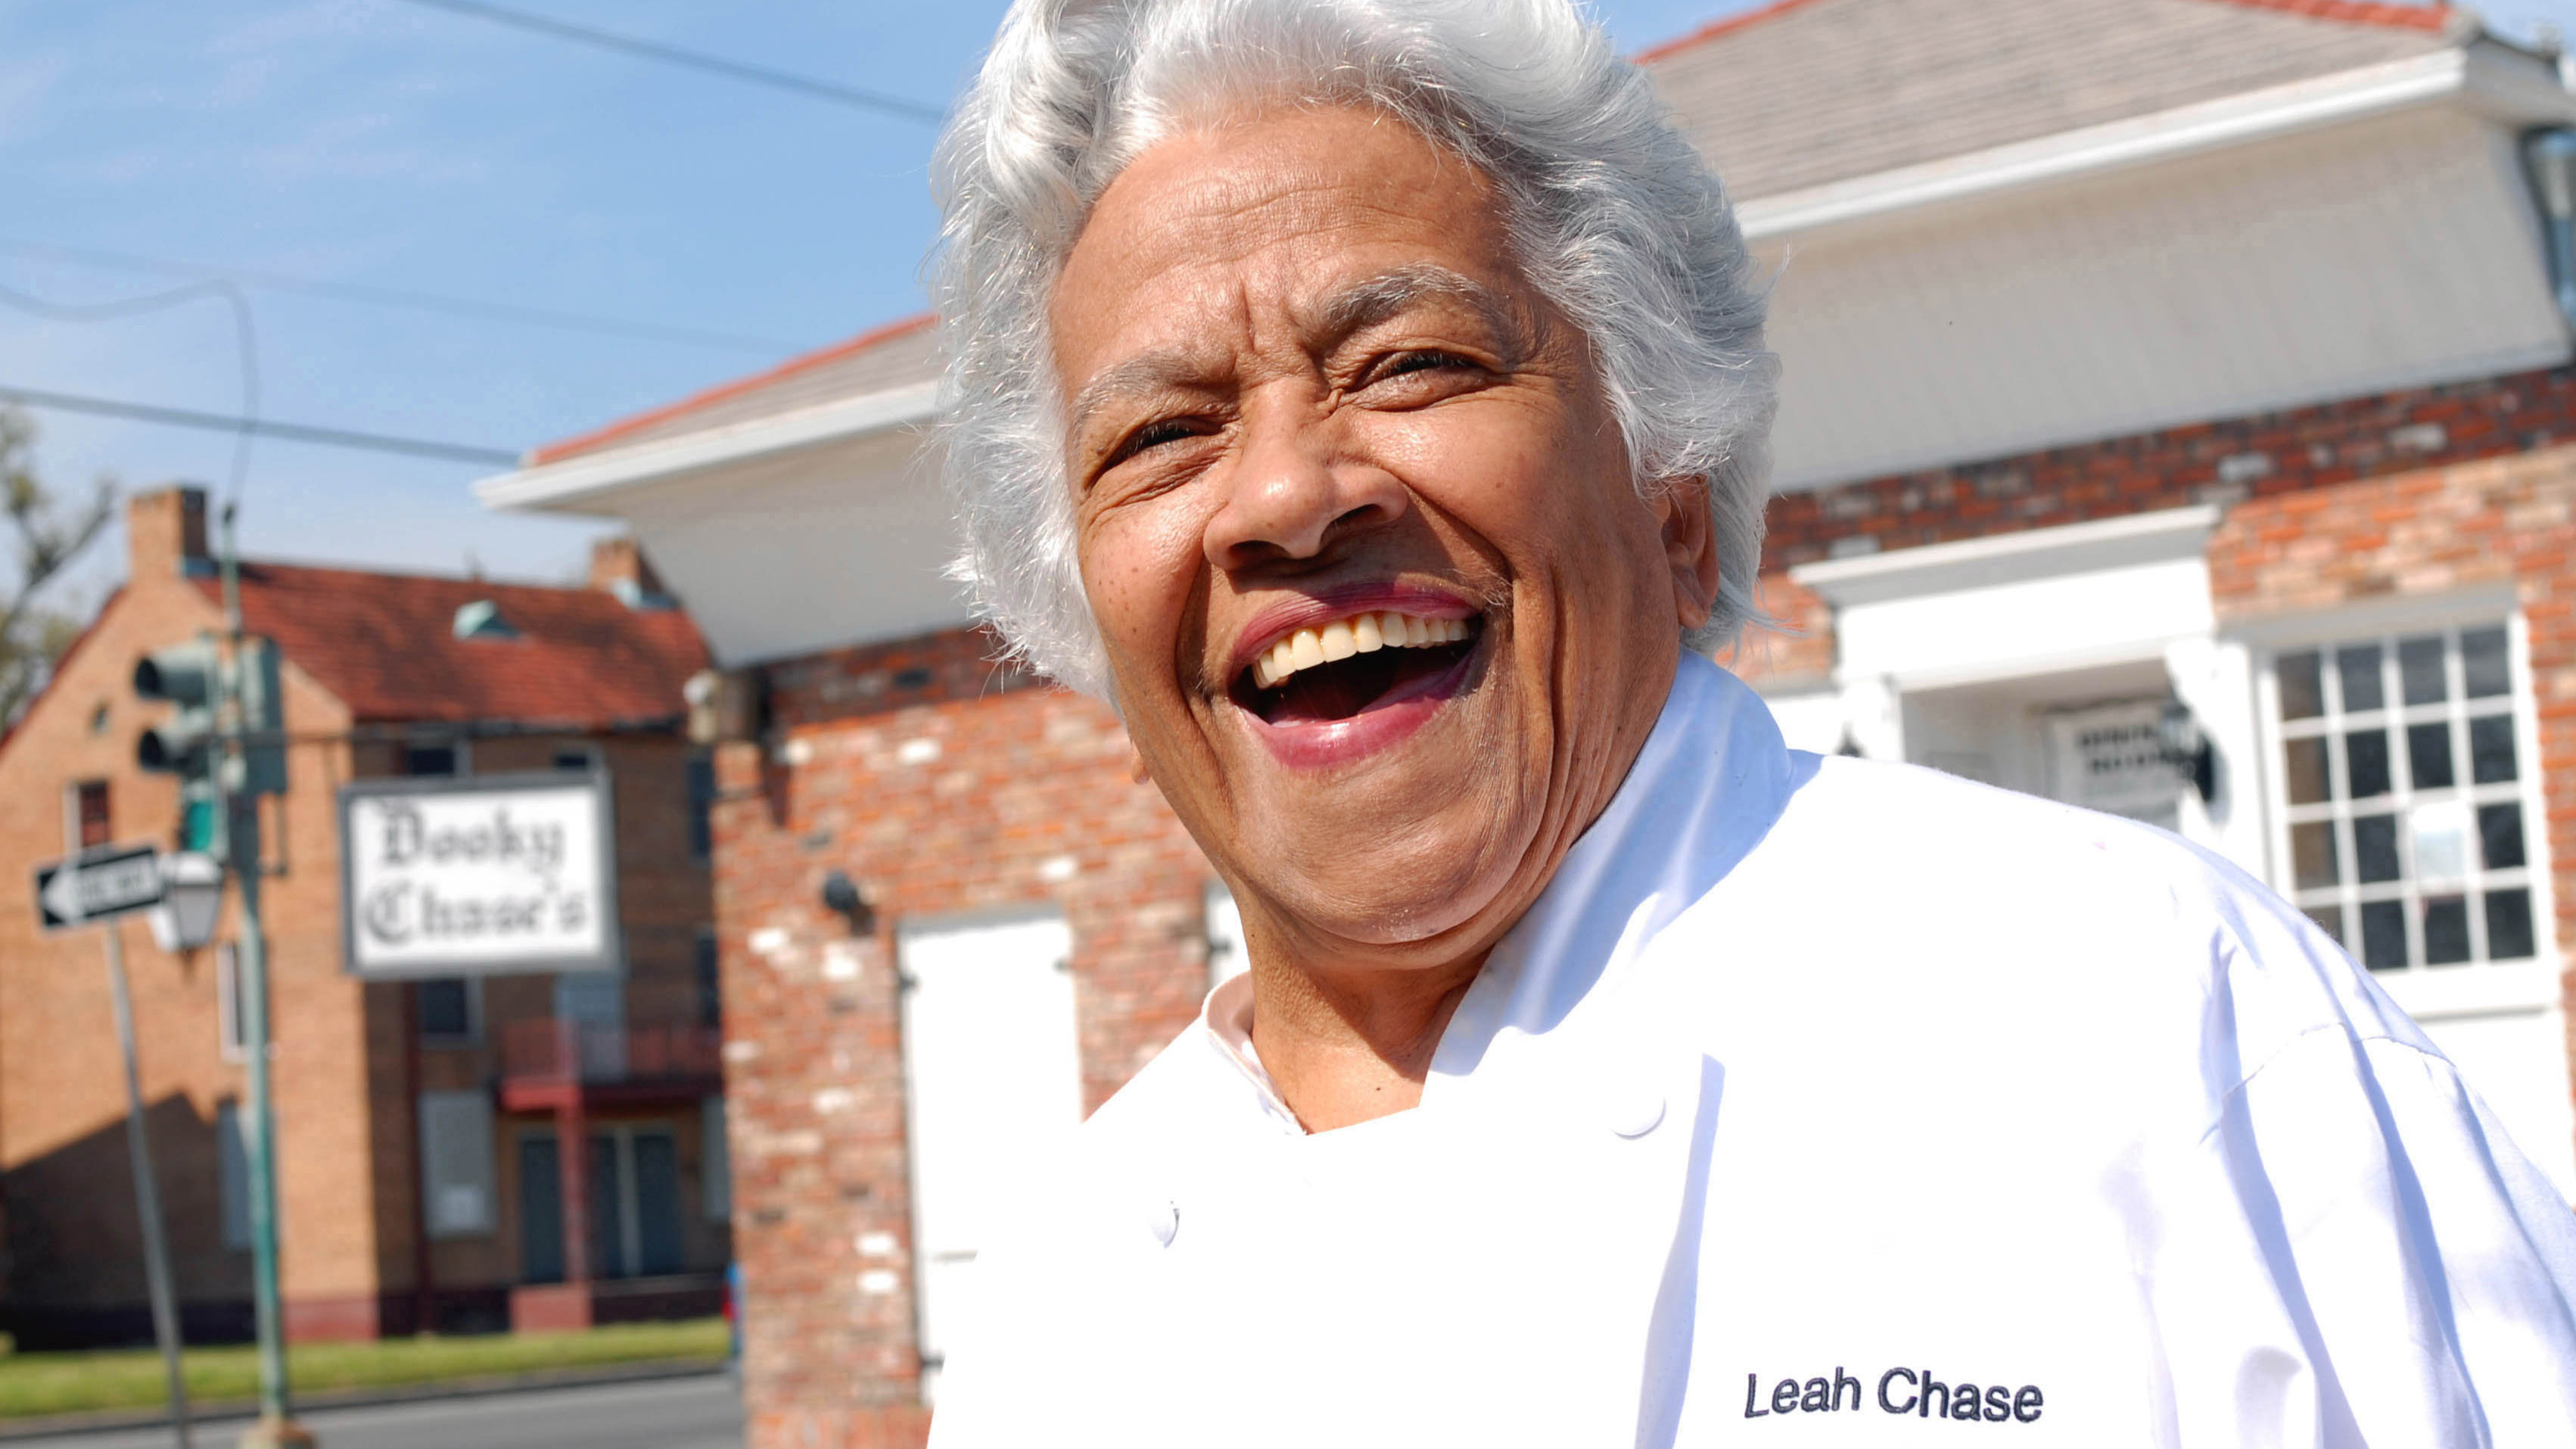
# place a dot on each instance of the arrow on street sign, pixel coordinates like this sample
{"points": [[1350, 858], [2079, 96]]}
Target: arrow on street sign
{"points": [[98, 884]]}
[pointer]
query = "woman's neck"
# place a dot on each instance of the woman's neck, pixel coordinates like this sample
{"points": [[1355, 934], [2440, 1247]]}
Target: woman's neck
{"points": [[1342, 1051]]}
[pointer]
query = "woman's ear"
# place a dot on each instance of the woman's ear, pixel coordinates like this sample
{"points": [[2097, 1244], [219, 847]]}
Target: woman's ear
{"points": [[1690, 546]]}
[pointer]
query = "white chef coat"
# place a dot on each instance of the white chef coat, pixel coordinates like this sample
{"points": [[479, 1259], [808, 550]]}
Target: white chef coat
{"points": [[1815, 1100]]}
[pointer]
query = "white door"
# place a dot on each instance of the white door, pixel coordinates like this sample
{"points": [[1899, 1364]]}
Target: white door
{"points": [[993, 1081]]}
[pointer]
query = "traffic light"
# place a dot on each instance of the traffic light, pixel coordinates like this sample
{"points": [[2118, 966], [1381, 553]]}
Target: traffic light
{"points": [[183, 675], [263, 721]]}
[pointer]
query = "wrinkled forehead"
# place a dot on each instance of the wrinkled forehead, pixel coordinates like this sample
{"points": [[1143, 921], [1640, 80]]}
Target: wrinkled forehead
{"points": [[1319, 220]]}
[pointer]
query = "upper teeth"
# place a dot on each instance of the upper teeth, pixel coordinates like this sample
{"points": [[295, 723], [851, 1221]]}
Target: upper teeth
{"points": [[1342, 638]]}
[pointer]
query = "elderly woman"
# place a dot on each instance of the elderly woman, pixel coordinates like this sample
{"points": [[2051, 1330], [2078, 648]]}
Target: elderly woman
{"points": [[1368, 397]]}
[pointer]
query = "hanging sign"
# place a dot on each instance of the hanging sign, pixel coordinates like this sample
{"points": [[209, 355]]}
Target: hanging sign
{"points": [[479, 876], [2112, 757]]}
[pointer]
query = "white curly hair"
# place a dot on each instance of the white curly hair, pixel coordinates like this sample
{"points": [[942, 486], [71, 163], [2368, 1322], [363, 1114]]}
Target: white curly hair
{"points": [[1612, 216]]}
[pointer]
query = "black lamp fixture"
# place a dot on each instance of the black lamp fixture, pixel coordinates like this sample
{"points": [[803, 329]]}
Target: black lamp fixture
{"points": [[2187, 748], [841, 897]]}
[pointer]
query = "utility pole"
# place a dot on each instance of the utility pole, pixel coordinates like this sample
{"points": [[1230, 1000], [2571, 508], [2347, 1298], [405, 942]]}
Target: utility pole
{"points": [[238, 808], [226, 741], [147, 1194]]}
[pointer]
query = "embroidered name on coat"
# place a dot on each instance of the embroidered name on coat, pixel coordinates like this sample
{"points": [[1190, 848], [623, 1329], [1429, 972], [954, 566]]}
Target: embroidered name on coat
{"points": [[1900, 1391]]}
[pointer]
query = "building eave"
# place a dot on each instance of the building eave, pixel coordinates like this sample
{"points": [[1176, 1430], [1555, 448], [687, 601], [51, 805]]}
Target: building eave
{"points": [[580, 484], [2504, 84]]}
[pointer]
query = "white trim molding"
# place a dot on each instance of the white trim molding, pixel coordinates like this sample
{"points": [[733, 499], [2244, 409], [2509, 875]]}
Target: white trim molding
{"points": [[2490, 79], [2012, 558], [576, 484]]}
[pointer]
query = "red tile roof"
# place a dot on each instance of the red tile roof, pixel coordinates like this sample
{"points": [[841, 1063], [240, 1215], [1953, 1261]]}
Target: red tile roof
{"points": [[386, 645]]}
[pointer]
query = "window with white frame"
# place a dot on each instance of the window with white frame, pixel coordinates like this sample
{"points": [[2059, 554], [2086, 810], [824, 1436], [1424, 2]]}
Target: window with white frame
{"points": [[2407, 796], [456, 1163]]}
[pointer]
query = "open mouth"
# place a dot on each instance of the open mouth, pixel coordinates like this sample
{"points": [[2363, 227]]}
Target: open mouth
{"points": [[1345, 668]]}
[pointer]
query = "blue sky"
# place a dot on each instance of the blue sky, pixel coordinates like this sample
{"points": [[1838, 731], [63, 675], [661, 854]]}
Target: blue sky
{"points": [[388, 144]]}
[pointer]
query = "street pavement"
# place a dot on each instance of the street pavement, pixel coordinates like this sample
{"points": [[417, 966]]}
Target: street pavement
{"points": [[692, 1413]]}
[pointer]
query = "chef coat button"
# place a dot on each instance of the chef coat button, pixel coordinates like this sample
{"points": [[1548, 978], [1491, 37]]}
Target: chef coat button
{"points": [[1164, 1221], [1636, 1108]]}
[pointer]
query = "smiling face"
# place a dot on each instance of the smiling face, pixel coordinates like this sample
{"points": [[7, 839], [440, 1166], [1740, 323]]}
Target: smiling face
{"points": [[1386, 614]]}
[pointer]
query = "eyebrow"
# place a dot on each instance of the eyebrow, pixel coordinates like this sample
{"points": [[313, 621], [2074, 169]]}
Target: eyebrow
{"points": [[1361, 305]]}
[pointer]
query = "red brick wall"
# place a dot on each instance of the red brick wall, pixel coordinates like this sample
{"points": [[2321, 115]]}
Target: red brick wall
{"points": [[940, 784], [348, 1158], [2260, 456], [73, 1233]]}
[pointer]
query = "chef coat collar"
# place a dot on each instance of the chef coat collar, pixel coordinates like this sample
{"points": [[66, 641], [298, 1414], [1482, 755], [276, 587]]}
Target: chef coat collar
{"points": [[1712, 777], [1704, 790]]}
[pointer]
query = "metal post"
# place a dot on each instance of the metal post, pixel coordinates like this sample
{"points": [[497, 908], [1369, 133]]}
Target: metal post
{"points": [[276, 1428], [147, 1192]]}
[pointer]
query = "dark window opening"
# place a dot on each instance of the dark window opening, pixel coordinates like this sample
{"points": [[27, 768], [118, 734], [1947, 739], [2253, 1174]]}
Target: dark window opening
{"points": [[710, 982], [430, 759], [90, 825], [702, 801], [446, 1010]]}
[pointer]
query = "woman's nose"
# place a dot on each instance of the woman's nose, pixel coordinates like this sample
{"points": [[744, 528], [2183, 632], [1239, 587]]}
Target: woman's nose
{"points": [[1294, 489]]}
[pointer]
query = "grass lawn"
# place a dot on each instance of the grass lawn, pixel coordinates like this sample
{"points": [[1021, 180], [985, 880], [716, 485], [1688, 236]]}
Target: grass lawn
{"points": [[130, 1378]]}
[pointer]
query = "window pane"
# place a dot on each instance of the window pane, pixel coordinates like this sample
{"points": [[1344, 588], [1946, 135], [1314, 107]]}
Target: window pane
{"points": [[92, 828], [443, 1009], [710, 982], [2329, 919], [2446, 931], [2439, 832], [2307, 770], [2500, 836], [429, 759], [2365, 759], [2419, 668], [2358, 664], [2312, 854], [2482, 663], [2508, 925], [2491, 749], [2428, 756], [2303, 694], [2383, 935], [2374, 848]]}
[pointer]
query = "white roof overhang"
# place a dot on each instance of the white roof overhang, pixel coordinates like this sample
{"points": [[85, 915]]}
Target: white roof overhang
{"points": [[2503, 85], [583, 483]]}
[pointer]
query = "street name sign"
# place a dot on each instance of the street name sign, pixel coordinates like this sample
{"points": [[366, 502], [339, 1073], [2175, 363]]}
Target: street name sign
{"points": [[483, 876], [98, 884]]}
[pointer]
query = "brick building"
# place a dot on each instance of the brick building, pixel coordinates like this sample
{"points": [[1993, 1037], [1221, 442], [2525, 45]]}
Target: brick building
{"points": [[416, 1120], [2178, 420]]}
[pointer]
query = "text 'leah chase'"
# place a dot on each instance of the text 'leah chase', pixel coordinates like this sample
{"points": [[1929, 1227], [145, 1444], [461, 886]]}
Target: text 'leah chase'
{"points": [[1900, 1391]]}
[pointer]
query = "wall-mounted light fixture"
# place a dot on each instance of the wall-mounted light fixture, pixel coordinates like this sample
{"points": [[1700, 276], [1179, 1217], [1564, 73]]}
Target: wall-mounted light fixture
{"points": [[841, 896], [2188, 749]]}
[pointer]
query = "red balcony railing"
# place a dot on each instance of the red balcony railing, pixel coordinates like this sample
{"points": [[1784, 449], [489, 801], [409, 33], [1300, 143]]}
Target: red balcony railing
{"points": [[601, 1053]]}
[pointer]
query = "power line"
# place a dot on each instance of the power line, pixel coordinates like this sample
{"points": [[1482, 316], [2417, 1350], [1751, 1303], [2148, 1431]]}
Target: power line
{"points": [[695, 60], [403, 297], [245, 342], [222, 423]]}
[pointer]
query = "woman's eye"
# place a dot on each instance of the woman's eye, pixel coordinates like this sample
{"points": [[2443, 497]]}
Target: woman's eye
{"points": [[1425, 360], [1152, 435]]}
